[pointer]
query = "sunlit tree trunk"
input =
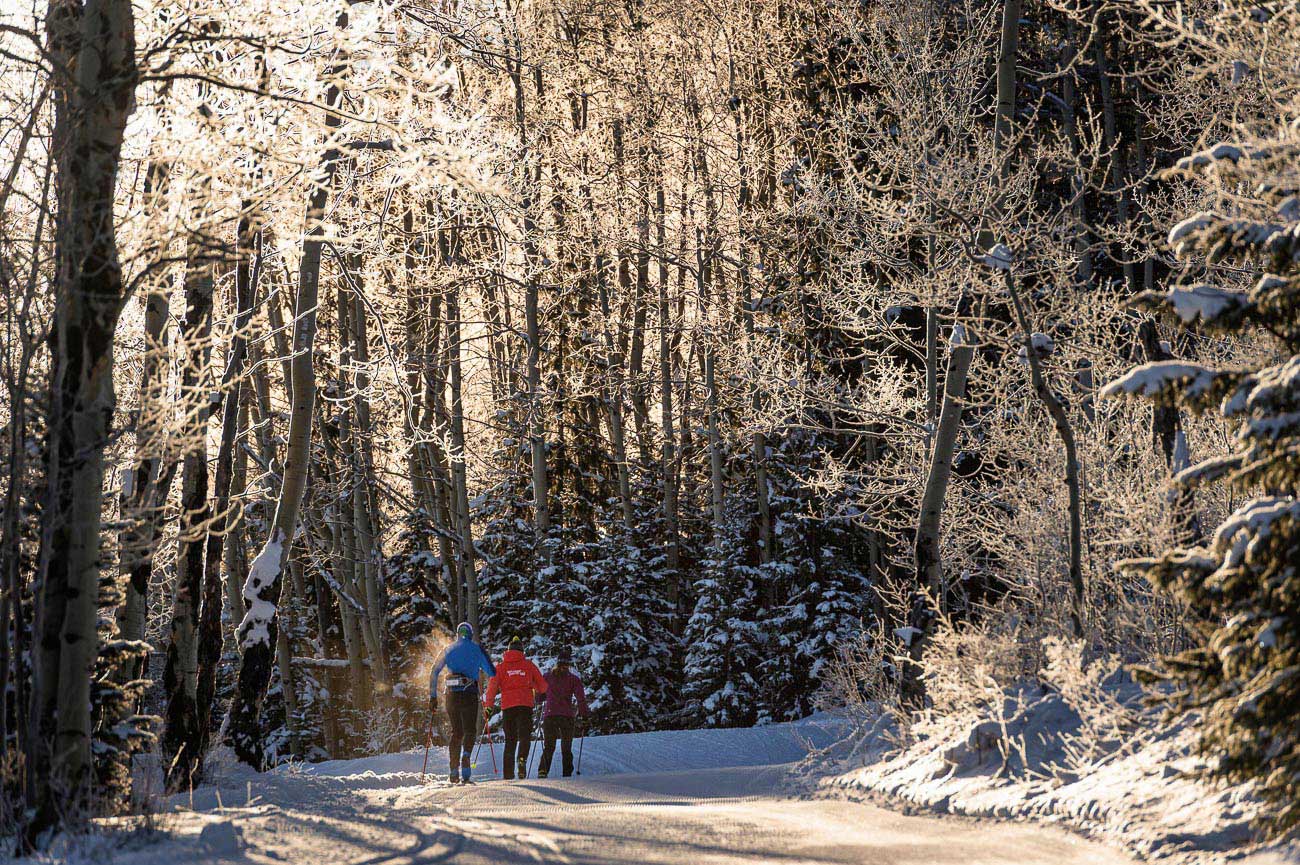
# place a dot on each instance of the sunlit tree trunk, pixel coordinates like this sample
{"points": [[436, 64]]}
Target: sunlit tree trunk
{"points": [[458, 457], [1061, 421], [262, 592], [536, 420], [928, 550], [181, 739], [94, 44], [142, 493]]}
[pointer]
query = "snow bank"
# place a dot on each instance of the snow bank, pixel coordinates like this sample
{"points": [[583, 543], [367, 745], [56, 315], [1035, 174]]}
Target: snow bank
{"points": [[1042, 756]]}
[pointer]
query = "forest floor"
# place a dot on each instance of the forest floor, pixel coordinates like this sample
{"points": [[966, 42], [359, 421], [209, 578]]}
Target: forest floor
{"points": [[699, 797]]}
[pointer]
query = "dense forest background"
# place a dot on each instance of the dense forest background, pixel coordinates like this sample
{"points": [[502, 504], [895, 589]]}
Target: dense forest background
{"points": [[752, 350]]}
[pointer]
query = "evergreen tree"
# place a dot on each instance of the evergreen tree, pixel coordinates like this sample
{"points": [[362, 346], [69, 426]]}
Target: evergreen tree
{"points": [[723, 638], [1243, 676], [628, 645], [505, 544], [816, 588]]}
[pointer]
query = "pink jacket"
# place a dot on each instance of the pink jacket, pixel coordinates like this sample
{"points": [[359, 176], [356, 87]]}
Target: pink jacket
{"points": [[561, 692]]}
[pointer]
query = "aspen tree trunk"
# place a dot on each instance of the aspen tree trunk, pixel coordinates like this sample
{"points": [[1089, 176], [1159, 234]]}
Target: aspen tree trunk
{"points": [[536, 422], [350, 568], [1061, 421], [706, 247], [262, 592], [1110, 137], [181, 735], [142, 495], [439, 462], [669, 455], [331, 644], [618, 440], [232, 383], [745, 199], [284, 660], [93, 44], [1078, 183], [614, 398], [1008, 46], [422, 346], [640, 288], [715, 441], [15, 636], [234, 554], [343, 585], [363, 502], [928, 551], [929, 562], [459, 480]]}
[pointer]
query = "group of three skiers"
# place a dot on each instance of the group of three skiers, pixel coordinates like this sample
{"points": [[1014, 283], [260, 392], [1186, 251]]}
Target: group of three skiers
{"points": [[520, 684]]}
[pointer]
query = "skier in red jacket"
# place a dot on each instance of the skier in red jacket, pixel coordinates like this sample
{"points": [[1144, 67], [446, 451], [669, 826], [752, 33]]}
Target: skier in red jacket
{"points": [[517, 680]]}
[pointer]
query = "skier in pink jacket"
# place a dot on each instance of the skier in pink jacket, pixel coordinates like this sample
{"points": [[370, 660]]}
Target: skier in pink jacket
{"points": [[565, 699]]}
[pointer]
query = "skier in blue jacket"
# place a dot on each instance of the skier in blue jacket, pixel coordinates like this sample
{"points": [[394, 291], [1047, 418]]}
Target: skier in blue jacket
{"points": [[463, 660]]}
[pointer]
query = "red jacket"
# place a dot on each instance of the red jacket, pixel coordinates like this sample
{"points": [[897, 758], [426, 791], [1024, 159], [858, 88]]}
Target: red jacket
{"points": [[517, 678]]}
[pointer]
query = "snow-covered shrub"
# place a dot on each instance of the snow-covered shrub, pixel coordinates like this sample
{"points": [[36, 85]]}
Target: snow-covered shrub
{"points": [[863, 679], [1243, 676]]}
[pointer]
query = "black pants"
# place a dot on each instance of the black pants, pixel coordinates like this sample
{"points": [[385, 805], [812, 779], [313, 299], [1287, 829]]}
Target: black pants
{"points": [[562, 728], [462, 716], [518, 724]]}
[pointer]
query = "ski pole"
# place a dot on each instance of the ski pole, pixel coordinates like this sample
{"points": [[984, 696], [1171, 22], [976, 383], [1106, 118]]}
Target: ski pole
{"points": [[534, 755], [581, 741], [428, 743], [478, 746], [491, 749]]}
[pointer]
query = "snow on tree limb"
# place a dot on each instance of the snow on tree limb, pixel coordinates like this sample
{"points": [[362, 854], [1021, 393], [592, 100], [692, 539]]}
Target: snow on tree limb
{"points": [[1206, 302], [1221, 152], [998, 257], [1160, 378], [256, 625]]}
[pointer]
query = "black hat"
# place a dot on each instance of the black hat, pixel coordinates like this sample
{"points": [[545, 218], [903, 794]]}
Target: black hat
{"points": [[564, 656]]}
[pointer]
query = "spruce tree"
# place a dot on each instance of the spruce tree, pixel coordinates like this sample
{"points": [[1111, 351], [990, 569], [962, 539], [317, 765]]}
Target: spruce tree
{"points": [[1243, 675], [628, 644], [723, 636]]}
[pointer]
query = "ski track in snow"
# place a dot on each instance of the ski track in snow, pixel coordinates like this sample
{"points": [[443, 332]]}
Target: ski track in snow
{"points": [[704, 797]]}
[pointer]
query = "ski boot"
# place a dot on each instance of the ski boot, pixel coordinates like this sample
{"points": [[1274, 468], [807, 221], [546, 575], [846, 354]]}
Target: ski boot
{"points": [[464, 772]]}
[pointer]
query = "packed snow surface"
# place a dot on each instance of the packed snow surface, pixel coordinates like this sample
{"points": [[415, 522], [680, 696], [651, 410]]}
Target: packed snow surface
{"points": [[698, 797]]}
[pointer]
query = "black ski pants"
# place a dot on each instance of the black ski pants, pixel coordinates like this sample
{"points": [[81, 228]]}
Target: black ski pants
{"points": [[462, 717], [518, 724], [557, 727]]}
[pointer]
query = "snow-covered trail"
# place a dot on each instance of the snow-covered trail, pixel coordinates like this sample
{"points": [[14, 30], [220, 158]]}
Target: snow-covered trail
{"points": [[376, 812]]}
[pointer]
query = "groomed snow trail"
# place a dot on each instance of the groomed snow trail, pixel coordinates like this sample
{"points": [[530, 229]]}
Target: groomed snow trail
{"points": [[376, 812]]}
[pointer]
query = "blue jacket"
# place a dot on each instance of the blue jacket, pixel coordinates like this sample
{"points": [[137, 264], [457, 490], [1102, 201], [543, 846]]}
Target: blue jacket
{"points": [[464, 658]]}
